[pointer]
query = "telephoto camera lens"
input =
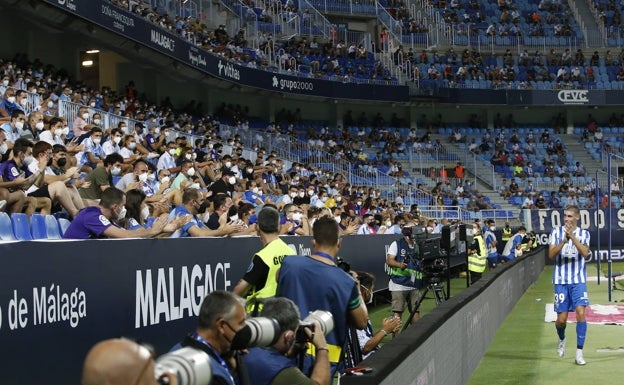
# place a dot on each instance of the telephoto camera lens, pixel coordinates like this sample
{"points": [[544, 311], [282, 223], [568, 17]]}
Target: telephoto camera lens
{"points": [[258, 331], [324, 318], [191, 367]]}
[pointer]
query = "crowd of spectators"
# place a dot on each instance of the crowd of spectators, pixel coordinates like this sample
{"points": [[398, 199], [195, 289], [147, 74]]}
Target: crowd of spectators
{"points": [[155, 165], [331, 59]]}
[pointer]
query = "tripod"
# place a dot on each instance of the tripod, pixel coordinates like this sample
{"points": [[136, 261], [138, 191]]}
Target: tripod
{"points": [[438, 294]]}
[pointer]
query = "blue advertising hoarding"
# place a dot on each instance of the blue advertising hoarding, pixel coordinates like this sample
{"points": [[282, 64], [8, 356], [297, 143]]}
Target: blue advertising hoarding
{"points": [[134, 27], [596, 221], [58, 298]]}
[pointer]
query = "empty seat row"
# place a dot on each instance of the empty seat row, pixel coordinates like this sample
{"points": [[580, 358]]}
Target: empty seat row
{"points": [[17, 227]]}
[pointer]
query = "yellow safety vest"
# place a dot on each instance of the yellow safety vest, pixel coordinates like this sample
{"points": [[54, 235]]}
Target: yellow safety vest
{"points": [[506, 234], [478, 262], [272, 255]]}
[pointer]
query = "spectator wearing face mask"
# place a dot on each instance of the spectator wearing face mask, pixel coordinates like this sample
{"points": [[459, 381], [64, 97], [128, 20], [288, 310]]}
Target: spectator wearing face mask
{"points": [[137, 210], [112, 145], [186, 177], [81, 124], [14, 128], [167, 160], [367, 226], [93, 153], [129, 151], [294, 222], [8, 104], [225, 184], [101, 178]]}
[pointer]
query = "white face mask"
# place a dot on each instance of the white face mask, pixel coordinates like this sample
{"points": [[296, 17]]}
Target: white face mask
{"points": [[254, 190], [115, 171], [24, 102], [92, 104], [234, 218], [172, 151], [232, 180], [165, 179], [297, 216], [228, 164], [65, 130], [143, 177], [301, 194], [39, 126], [324, 199], [388, 223], [19, 125], [249, 170], [3, 148], [338, 198], [122, 213], [97, 121], [188, 156], [151, 177], [190, 171], [97, 140], [50, 104], [5, 83], [132, 145], [85, 116], [117, 139], [293, 194], [310, 192], [145, 212], [11, 99]]}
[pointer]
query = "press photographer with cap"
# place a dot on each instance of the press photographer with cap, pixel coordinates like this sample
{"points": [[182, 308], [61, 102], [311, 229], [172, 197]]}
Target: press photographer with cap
{"points": [[276, 364], [405, 273]]}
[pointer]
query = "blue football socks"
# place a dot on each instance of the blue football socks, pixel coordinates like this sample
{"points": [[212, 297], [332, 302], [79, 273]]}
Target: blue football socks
{"points": [[581, 331]]}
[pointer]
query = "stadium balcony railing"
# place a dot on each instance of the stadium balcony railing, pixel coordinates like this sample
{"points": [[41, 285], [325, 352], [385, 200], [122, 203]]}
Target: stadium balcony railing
{"points": [[460, 213]]}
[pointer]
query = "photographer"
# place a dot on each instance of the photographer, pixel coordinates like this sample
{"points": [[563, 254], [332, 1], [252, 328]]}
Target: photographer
{"points": [[405, 273], [276, 365], [221, 316], [120, 361]]}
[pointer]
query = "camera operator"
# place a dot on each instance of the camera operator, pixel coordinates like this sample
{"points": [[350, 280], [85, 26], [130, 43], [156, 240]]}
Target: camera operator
{"points": [[221, 316], [120, 361], [477, 255], [276, 364], [405, 273]]}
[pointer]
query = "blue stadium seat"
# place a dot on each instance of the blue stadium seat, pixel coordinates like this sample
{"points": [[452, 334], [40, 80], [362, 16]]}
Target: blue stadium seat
{"points": [[52, 227], [38, 226], [63, 225], [6, 228], [21, 228]]}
